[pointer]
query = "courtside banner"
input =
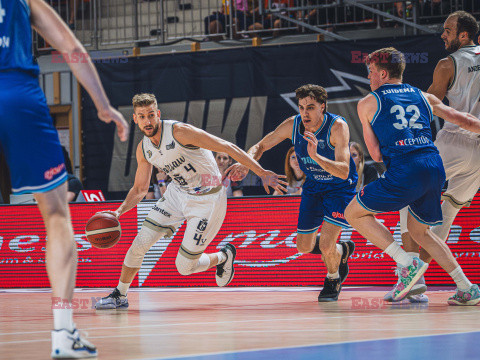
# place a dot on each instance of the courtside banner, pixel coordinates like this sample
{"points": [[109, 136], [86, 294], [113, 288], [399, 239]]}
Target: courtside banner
{"points": [[263, 230]]}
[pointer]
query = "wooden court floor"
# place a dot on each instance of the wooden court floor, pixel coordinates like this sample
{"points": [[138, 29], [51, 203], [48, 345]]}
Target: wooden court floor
{"points": [[266, 323]]}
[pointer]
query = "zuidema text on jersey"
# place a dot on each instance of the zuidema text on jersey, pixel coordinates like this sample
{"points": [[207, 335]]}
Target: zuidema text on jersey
{"points": [[398, 91]]}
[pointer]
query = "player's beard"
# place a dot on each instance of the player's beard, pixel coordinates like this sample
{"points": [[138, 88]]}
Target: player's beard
{"points": [[153, 133], [454, 45]]}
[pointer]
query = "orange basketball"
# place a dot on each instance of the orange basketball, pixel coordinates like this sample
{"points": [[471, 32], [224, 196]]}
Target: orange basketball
{"points": [[103, 230]]}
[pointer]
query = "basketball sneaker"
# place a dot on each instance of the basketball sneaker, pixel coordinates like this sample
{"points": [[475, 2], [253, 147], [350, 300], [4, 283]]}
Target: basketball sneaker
{"points": [[419, 298], [415, 293], [348, 249], [465, 298], [113, 301], [225, 270], [331, 290], [408, 277], [70, 345]]}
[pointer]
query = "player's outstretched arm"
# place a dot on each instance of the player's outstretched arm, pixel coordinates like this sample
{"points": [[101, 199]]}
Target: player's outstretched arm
{"points": [[48, 24], [283, 131], [140, 186], [190, 135], [462, 119], [339, 137], [366, 109]]}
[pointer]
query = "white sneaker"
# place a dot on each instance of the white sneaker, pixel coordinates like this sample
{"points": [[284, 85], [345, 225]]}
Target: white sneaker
{"points": [[70, 345], [419, 298], [225, 270]]}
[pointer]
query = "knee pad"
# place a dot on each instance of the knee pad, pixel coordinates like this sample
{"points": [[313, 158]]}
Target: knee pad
{"points": [[142, 243], [187, 266]]}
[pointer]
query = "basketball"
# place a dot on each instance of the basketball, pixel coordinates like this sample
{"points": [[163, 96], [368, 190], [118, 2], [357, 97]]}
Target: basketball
{"points": [[103, 230]]}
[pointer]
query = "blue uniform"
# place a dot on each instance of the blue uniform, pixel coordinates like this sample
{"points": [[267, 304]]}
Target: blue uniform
{"points": [[27, 135], [415, 173], [324, 196]]}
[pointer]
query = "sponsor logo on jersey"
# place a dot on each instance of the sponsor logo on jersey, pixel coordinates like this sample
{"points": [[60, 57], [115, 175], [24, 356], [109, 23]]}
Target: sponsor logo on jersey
{"points": [[161, 211], [422, 140], [173, 165], [50, 173], [338, 215], [149, 153], [321, 144], [171, 146]]}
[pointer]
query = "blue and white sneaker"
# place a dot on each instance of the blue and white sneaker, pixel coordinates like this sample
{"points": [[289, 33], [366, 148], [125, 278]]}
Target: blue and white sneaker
{"points": [[113, 301], [70, 345]]}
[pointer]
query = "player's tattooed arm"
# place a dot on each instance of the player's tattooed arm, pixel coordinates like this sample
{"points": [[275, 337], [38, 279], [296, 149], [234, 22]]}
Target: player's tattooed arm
{"points": [[462, 119], [140, 186], [190, 135], [366, 108], [282, 132]]}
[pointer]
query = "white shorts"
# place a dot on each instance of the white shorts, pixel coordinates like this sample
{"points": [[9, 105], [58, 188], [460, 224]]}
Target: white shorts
{"points": [[204, 215], [461, 159]]}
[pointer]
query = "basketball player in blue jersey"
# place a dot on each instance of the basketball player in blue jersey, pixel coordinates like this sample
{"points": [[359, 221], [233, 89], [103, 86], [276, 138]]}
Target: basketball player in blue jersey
{"points": [[32, 149], [321, 145], [396, 127]]}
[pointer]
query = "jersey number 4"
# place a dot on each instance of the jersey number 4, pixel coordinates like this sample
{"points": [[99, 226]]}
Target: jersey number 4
{"points": [[400, 115]]}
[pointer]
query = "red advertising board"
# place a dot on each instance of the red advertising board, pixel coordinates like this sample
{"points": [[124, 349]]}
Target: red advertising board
{"points": [[263, 230]]}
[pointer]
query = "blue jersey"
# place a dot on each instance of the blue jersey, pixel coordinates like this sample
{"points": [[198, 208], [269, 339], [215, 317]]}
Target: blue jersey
{"points": [[318, 179], [16, 37], [402, 122]]}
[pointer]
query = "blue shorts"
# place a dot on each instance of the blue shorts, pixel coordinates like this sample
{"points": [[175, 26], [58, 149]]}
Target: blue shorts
{"points": [[27, 135], [415, 182], [328, 205]]}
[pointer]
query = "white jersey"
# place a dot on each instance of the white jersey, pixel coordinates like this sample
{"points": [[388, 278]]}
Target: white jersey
{"points": [[192, 169], [464, 92]]}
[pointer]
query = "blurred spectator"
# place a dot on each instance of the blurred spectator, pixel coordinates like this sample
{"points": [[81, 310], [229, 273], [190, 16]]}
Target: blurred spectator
{"points": [[158, 184], [270, 21], [366, 172], [74, 183], [295, 176], [234, 188], [216, 24]]}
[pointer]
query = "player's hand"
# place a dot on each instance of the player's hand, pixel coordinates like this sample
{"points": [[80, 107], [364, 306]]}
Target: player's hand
{"points": [[110, 114], [269, 178], [236, 172], [114, 213], [312, 143]]}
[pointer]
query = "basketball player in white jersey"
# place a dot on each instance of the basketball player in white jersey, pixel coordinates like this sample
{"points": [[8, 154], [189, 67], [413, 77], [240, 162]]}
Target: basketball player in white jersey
{"points": [[196, 194], [458, 78]]}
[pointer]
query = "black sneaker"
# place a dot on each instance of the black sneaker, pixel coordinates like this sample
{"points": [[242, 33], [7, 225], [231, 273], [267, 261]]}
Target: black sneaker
{"points": [[225, 270], [348, 249], [331, 290], [113, 301]]}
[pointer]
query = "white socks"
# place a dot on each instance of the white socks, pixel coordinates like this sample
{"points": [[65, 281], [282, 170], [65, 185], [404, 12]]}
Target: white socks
{"points": [[399, 255], [123, 288], [62, 319], [222, 257], [460, 279], [333, 276]]}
